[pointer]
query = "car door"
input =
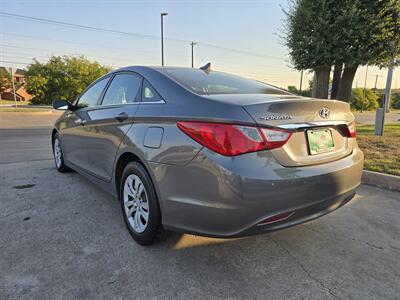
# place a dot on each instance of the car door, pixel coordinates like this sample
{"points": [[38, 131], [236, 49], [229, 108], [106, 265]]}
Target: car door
{"points": [[108, 123], [73, 135]]}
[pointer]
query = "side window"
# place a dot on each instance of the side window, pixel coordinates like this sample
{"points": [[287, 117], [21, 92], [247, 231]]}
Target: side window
{"points": [[125, 88], [91, 96], [149, 94]]}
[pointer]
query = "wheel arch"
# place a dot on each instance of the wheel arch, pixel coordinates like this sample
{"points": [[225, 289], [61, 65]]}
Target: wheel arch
{"points": [[53, 133], [124, 159]]}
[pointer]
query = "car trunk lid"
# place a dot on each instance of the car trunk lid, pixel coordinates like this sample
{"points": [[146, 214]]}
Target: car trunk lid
{"points": [[301, 116], [317, 125]]}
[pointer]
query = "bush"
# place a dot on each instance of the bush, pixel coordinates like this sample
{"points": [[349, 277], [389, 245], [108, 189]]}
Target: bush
{"points": [[395, 100], [369, 103], [294, 90]]}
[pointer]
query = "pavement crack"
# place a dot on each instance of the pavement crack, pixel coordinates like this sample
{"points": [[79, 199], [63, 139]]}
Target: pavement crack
{"points": [[309, 274]]}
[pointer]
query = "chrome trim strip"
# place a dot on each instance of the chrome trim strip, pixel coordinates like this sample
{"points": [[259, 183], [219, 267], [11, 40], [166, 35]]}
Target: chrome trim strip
{"points": [[312, 124]]}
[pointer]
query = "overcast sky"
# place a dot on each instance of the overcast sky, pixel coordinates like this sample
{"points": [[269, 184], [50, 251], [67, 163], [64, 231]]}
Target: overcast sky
{"points": [[236, 27]]}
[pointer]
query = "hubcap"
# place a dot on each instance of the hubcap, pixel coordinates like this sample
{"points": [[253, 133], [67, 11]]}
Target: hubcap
{"points": [[57, 152], [135, 203]]}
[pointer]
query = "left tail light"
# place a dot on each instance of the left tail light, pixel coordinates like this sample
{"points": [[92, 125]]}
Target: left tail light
{"points": [[231, 140]]}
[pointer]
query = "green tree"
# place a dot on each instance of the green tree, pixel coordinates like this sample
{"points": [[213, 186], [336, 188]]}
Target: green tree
{"points": [[342, 33], [369, 102], [5, 80], [61, 78]]}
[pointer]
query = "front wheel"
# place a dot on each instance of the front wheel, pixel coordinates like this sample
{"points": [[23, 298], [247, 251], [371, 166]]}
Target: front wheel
{"points": [[58, 155], [139, 204]]}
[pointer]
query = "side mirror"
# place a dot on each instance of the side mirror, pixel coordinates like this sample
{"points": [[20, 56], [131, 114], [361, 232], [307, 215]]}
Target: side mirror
{"points": [[62, 105]]}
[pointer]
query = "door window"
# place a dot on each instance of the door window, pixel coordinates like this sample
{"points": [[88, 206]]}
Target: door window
{"points": [[124, 88], [90, 97], [149, 94]]}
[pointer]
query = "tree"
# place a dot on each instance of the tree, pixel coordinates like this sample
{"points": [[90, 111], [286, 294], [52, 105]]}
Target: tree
{"points": [[61, 78], [342, 33], [5, 80], [306, 35], [369, 102]]}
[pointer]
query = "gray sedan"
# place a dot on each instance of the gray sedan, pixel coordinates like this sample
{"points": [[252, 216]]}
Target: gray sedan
{"points": [[208, 153]]}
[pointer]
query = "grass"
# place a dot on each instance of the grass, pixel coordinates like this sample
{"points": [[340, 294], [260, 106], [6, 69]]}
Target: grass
{"points": [[12, 102], [13, 109], [382, 153]]}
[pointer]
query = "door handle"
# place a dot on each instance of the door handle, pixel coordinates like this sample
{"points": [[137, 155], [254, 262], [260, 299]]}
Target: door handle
{"points": [[80, 122], [122, 117]]}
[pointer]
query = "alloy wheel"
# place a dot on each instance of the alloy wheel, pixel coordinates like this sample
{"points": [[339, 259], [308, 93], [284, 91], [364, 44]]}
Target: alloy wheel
{"points": [[135, 203]]}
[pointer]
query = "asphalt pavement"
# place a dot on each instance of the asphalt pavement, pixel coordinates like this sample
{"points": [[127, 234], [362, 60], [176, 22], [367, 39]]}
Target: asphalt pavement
{"points": [[61, 237], [369, 117]]}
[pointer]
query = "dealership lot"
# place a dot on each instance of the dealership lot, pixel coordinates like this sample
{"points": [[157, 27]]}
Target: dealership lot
{"points": [[62, 237]]}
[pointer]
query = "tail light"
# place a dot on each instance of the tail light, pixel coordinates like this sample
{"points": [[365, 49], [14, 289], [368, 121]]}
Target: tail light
{"points": [[230, 139], [350, 130]]}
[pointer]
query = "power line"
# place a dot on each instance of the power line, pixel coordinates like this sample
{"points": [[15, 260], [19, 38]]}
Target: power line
{"points": [[14, 62], [133, 50], [129, 34], [78, 26]]}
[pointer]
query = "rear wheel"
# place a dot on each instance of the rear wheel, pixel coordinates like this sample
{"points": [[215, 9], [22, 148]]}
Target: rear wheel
{"points": [[58, 155], [139, 204]]}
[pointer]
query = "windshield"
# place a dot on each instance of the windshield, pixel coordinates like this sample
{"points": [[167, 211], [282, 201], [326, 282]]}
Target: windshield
{"points": [[212, 82]]}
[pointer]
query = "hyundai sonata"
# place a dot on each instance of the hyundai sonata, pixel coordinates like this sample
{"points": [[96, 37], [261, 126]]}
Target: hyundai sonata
{"points": [[209, 153]]}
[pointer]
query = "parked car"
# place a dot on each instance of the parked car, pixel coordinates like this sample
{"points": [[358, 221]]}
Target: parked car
{"points": [[208, 153]]}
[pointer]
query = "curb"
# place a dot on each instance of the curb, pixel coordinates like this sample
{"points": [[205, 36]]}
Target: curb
{"points": [[385, 181]]}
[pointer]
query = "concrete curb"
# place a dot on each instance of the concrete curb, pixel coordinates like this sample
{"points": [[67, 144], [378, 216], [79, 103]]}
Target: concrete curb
{"points": [[385, 181]]}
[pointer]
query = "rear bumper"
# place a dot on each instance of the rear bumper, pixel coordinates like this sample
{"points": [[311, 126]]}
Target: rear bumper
{"points": [[222, 196]]}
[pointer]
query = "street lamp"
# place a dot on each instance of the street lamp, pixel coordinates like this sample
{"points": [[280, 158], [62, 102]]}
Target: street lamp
{"points": [[192, 44], [162, 37]]}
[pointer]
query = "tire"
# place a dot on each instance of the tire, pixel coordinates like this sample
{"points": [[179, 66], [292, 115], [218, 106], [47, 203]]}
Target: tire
{"points": [[138, 202], [58, 155]]}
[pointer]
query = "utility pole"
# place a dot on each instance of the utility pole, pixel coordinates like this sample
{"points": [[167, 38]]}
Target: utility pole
{"points": [[365, 88], [301, 80], [376, 81], [388, 87], [13, 85], [162, 37], [192, 44]]}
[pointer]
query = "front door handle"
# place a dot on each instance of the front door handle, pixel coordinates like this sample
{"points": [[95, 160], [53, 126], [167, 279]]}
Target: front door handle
{"points": [[122, 117]]}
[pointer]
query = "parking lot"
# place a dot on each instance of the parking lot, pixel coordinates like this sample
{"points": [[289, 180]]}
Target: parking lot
{"points": [[62, 237]]}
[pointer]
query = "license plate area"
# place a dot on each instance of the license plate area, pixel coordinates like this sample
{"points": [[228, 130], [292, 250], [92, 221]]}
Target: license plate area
{"points": [[320, 141]]}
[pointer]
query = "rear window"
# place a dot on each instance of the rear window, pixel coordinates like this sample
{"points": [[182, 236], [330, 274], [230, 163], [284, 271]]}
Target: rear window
{"points": [[212, 82]]}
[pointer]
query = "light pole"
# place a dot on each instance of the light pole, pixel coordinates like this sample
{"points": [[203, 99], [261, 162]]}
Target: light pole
{"points": [[192, 44], [301, 80], [365, 88], [13, 86], [162, 37]]}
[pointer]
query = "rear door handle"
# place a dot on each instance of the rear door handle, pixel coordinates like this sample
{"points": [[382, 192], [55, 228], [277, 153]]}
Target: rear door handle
{"points": [[122, 117], [80, 122]]}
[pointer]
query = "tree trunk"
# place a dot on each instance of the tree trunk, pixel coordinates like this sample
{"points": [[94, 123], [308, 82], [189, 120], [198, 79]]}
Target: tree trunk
{"points": [[321, 82], [346, 83], [337, 74]]}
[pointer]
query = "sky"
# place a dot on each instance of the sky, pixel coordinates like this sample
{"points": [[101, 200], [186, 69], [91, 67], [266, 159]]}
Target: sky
{"points": [[241, 37]]}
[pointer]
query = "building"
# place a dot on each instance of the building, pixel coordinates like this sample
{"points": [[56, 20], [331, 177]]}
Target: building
{"points": [[19, 80]]}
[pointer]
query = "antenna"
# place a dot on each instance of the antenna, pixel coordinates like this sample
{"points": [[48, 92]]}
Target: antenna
{"points": [[206, 68]]}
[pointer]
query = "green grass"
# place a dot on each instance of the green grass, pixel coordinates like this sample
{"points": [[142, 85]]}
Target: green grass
{"points": [[12, 102], [13, 109], [382, 154]]}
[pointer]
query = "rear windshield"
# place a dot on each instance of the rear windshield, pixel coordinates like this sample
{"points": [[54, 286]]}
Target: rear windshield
{"points": [[212, 82]]}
